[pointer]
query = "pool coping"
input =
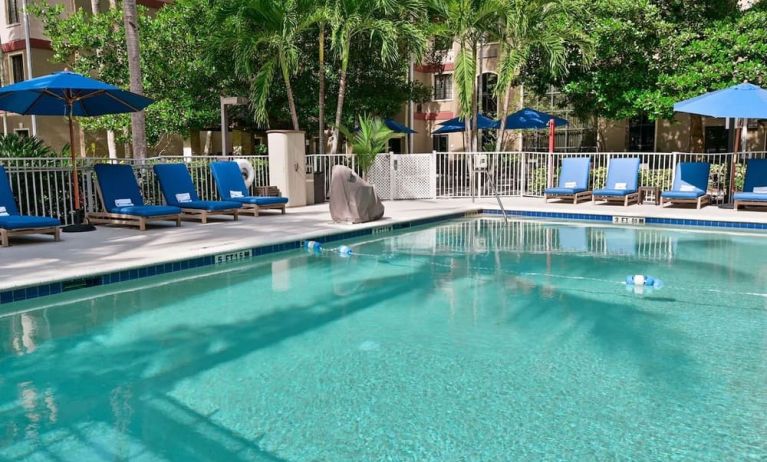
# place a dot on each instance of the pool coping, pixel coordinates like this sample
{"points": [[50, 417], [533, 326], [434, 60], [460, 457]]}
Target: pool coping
{"points": [[96, 278]]}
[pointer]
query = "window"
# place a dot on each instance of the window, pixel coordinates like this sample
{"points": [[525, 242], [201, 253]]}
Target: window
{"points": [[717, 139], [17, 68], [641, 134], [22, 132], [489, 101], [443, 86], [439, 143], [579, 135], [12, 11]]}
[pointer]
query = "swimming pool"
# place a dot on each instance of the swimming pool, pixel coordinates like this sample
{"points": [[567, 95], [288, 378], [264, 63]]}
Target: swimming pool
{"points": [[470, 340]]}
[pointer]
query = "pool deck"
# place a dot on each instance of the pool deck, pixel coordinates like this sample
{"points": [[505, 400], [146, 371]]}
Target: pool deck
{"points": [[37, 260]]}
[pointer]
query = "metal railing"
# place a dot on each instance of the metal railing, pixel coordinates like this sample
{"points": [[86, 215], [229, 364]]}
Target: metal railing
{"points": [[43, 186]]}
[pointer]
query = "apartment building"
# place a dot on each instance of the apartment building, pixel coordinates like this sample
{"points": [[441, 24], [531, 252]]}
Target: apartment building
{"points": [[26, 53]]}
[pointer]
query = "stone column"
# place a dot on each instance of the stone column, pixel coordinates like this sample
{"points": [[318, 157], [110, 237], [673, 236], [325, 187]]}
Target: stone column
{"points": [[287, 164]]}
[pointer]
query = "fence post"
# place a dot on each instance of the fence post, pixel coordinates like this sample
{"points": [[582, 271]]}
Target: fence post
{"points": [[433, 174], [523, 174]]}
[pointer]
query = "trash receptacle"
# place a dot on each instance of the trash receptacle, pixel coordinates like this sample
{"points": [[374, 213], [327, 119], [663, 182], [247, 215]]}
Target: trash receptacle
{"points": [[319, 187]]}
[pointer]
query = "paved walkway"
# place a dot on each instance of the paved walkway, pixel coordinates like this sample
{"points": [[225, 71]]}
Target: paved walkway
{"points": [[35, 260]]}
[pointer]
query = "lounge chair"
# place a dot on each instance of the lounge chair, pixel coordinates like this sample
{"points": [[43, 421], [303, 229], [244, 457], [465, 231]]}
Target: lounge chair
{"points": [[690, 185], [12, 223], [755, 185], [573, 181], [121, 199], [179, 191], [231, 187], [621, 184]]}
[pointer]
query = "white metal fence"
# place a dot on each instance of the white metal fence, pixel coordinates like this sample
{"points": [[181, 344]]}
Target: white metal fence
{"points": [[43, 185]]}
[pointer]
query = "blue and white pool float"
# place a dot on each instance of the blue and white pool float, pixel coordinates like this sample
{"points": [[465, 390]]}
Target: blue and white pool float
{"points": [[642, 280]]}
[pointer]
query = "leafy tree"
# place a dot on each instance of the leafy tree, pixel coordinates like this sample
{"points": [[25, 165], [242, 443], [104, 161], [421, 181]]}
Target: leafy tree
{"points": [[467, 22], [536, 27], [262, 36], [13, 145], [378, 21]]}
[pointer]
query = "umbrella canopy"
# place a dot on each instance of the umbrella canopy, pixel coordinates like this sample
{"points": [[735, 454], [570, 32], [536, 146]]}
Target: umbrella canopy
{"points": [[67, 93], [745, 101], [398, 127], [458, 124], [530, 119]]}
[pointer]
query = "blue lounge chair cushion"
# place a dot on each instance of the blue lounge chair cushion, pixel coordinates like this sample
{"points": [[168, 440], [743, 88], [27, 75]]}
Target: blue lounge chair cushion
{"points": [[623, 172], [210, 206], [176, 181], [7, 200], [563, 191], [756, 176], [118, 183], [613, 192], [682, 194], [229, 179], [690, 181], [147, 210], [574, 173], [750, 196], [261, 200], [27, 222]]}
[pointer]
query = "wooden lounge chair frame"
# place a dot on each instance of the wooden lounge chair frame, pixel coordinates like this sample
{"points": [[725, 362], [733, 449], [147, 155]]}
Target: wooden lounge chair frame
{"points": [[577, 197], [6, 234], [627, 199], [698, 202], [255, 208], [748, 203], [202, 215], [108, 218]]}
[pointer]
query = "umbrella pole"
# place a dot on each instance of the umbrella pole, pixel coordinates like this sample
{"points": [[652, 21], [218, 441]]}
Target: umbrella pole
{"points": [[78, 226], [734, 163]]}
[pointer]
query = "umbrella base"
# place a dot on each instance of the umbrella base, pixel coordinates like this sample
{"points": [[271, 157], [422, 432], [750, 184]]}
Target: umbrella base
{"points": [[80, 228]]}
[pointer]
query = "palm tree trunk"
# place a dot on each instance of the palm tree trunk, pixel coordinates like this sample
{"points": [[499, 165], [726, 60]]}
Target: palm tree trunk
{"points": [[341, 95], [474, 103], [321, 77], [95, 6], [291, 101], [138, 119], [504, 112]]}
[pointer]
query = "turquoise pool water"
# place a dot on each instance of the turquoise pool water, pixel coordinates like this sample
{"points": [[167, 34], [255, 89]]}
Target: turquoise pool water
{"points": [[470, 341]]}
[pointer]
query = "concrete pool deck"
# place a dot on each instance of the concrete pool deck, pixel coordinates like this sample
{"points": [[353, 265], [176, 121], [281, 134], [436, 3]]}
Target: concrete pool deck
{"points": [[37, 260]]}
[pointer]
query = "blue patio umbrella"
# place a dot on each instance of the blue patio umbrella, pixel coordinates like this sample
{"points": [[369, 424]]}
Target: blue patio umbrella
{"points": [[397, 127], [530, 119], [69, 94], [742, 101], [458, 124]]}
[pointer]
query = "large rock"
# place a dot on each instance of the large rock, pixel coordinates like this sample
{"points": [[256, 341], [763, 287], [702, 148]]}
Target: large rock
{"points": [[352, 200]]}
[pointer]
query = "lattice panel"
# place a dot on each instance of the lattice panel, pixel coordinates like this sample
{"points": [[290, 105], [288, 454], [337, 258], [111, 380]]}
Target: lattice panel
{"points": [[412, 176], [380, 176]]}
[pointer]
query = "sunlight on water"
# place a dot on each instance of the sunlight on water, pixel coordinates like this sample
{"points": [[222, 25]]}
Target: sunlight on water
{"points": [[473, 340]]}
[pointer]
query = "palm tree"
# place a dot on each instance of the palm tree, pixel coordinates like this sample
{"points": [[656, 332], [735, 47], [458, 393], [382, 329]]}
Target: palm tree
{"points": [[467, 22], [544, 27], [370, 139], [263, 35], [138, 119], [384, 21]]}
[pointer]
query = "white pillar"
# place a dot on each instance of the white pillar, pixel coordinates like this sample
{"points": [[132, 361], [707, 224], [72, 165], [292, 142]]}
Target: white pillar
{"points": [[287, 164]]}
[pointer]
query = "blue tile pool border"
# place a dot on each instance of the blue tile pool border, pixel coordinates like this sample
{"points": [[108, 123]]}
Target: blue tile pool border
{"points": [[53, 288]]}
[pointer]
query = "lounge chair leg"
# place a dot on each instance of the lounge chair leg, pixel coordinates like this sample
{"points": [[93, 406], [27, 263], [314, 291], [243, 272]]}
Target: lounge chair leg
{"points": [[57, 234], [178, 221], [204, 218], [142, 224], [236, 215], [4, 238], [283, 210]]}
